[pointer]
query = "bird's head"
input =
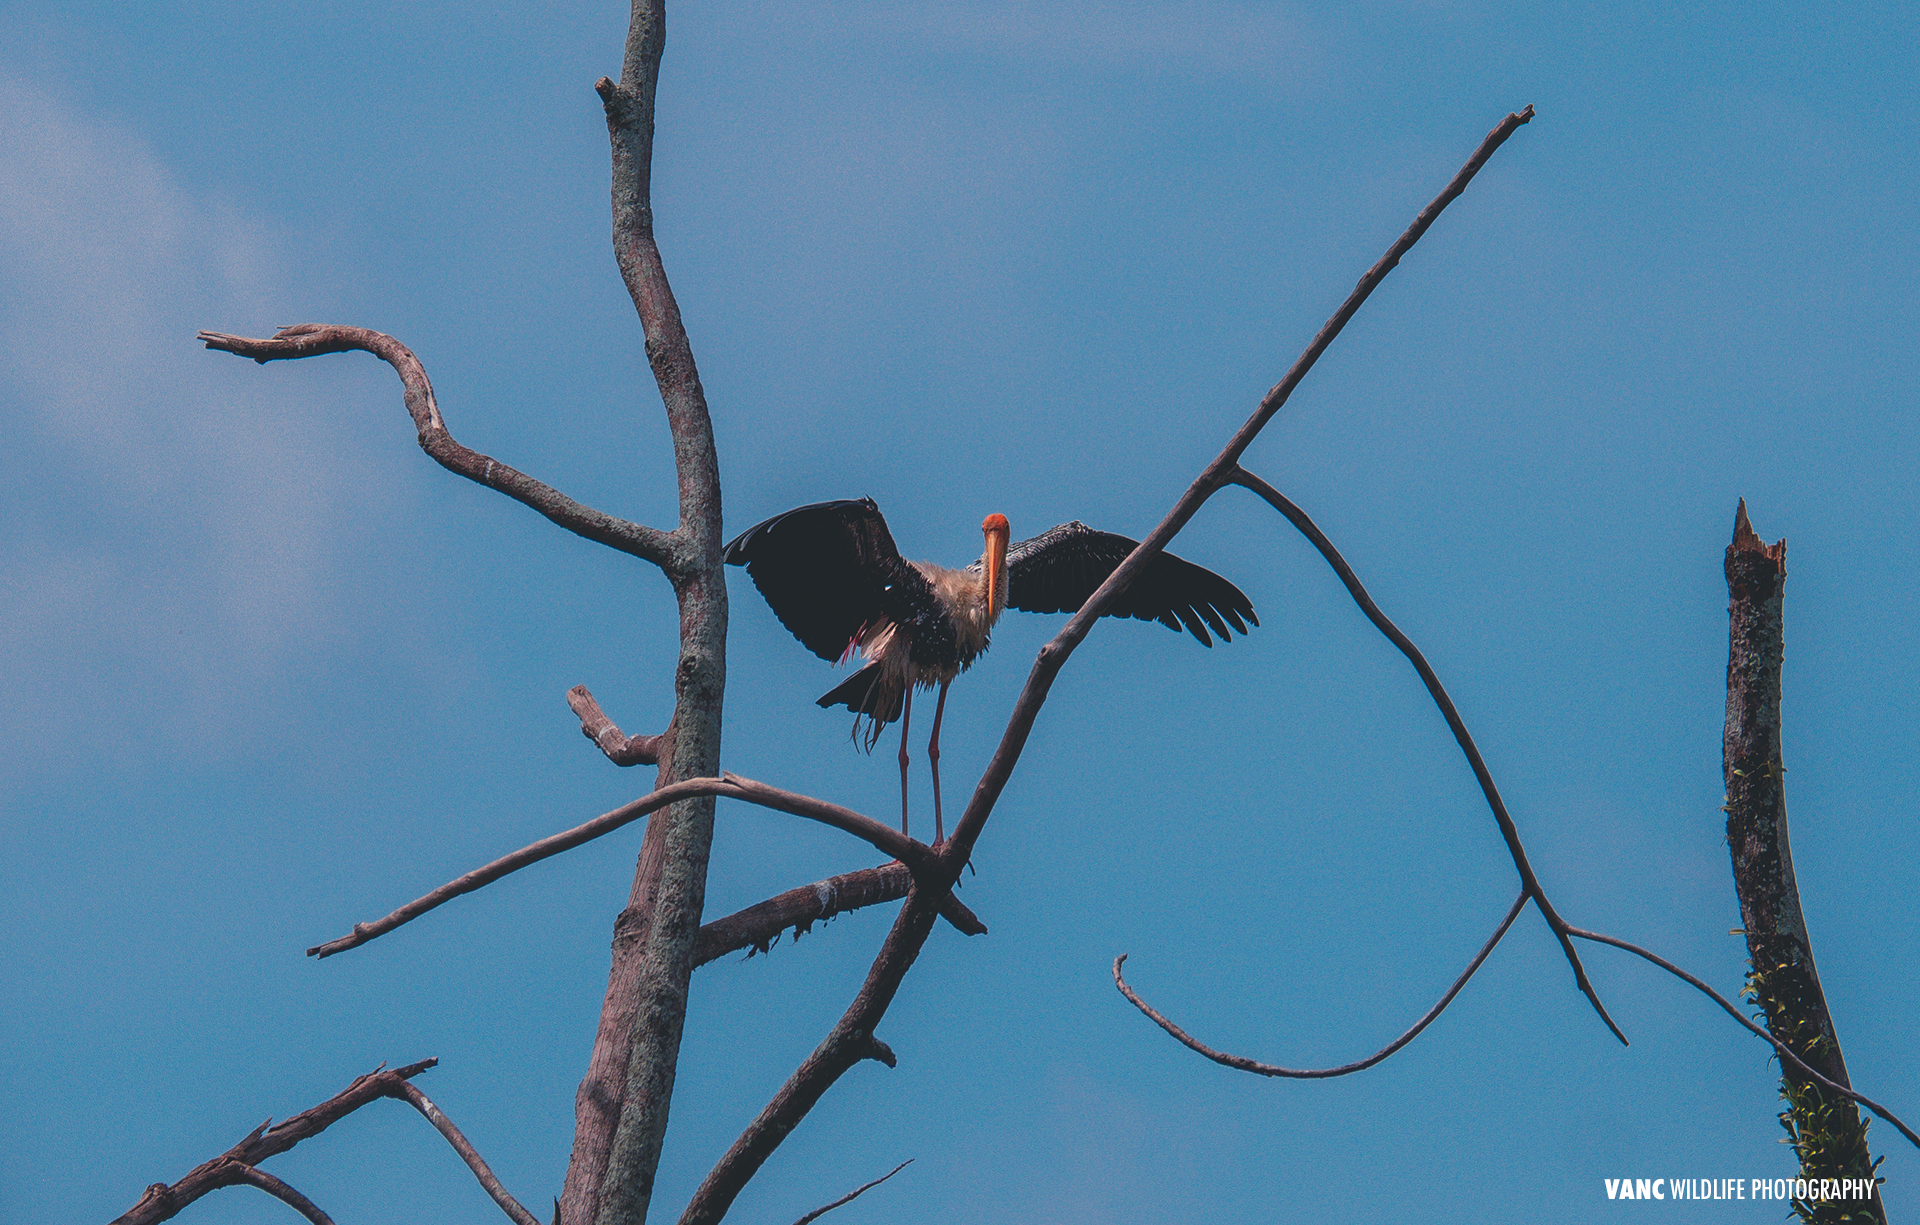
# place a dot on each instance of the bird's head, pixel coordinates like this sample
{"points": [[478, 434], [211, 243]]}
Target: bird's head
{"points": [[994, 563]]}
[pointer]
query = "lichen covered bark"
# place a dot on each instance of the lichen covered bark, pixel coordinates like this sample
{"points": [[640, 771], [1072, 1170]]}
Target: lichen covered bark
{"points": [[1826, 1130]]}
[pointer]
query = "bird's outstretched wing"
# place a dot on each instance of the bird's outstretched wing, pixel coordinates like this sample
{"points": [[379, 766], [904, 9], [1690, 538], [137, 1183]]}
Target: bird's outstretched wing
{"points": [[1058, 569], [830, 570]]}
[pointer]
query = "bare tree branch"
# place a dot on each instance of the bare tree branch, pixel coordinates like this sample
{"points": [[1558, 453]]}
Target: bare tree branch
{"points": [[161, 1202], [1508, 830], [1217, 474], [620, 1110], [444, 1125], [758, 926], [313, 339], [851, 1038], [917, 855], [620, 748], [1267, 1069], [1785, 1052], [255, 1177], [852, 1195], [239, 1163], [884, 837], [850, 1041]]}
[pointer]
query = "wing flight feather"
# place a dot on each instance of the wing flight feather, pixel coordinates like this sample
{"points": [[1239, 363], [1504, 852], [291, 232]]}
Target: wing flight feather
{"points": [[1057, 570], [831, 569]]}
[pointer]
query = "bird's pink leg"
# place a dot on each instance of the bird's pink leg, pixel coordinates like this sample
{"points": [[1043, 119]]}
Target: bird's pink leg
{"points": [[933, 756], [906, 717]]}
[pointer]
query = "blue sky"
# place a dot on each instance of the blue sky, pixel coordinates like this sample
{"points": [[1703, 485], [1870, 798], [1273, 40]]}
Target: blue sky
{"points": [[265, 670]]}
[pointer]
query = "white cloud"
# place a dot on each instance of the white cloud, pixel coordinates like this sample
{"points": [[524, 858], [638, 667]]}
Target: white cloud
{"points": [[169, 530]]}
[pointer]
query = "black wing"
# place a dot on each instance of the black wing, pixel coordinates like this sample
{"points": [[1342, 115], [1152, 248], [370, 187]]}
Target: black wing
{"points": [[1057, 570], [831, 569]]}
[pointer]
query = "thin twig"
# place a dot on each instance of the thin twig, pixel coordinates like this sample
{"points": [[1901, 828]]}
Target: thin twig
{"points": [[852, 1036], [314, 339], [759, 925], [1508, 830], [620, 748], [444, 1125], [887, 839], [1267, 1069], [162, 1202], [852, 1195], [256, 1177], [1786, 1052]]}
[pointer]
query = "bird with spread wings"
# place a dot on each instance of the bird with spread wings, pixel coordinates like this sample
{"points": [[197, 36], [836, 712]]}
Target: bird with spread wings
{"points": [[831, 573]]}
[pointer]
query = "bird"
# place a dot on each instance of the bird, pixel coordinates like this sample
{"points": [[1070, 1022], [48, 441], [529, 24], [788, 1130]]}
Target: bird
{"points": [[833, 576]]}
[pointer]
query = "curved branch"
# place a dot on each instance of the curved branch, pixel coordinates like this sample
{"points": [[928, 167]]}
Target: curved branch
{"points": [[852, 1035], [1268, 1069], [162, 1202], [285, 1194], [918, 856], [1786, 1052], [887, 839], [852, 1195], [444, 1125], [313, 339], [1508, 830]]}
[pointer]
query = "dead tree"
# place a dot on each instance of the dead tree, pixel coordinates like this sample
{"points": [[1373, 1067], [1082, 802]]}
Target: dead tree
{"points": [[622, 1104], [1826, 1129]]}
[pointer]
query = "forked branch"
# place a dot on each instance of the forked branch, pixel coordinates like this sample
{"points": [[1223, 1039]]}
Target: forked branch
{"points": [[1217, 474], [1531, 889], [240, 1163], [916, 855], [849, 1042], [1511, 833], [1782, 1049], [842, 1047], [161, 1201], [1242, 1063], [314, 339]]}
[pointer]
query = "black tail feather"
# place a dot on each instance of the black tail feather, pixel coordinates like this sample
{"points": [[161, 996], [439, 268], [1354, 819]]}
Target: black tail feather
{"points": [[867, 698]]}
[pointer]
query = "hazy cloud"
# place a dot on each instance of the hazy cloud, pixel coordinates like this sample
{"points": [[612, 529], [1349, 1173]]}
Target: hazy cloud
{"points": [[169, 523]]}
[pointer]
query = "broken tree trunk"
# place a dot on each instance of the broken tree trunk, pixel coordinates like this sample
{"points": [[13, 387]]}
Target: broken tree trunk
{"points": [[1827, 1131]]}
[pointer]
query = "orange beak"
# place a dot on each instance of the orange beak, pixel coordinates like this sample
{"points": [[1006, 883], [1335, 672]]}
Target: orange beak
{"points": [[997, 531]]}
